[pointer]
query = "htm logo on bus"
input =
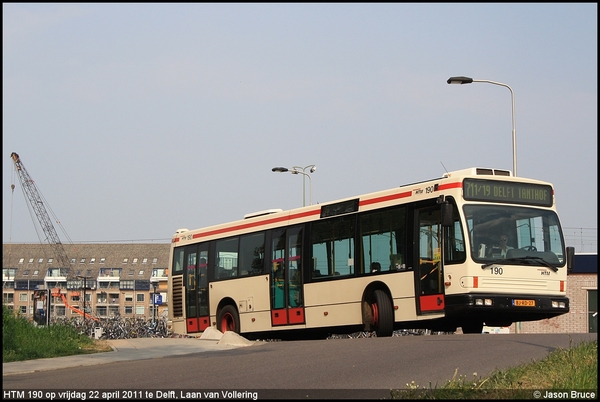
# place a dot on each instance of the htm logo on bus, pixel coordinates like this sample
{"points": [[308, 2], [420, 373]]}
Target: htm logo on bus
{"points": [[14, 395]]}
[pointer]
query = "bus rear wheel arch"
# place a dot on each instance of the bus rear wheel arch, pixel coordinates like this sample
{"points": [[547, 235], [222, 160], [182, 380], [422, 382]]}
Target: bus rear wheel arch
{"points": [[228, 319]]}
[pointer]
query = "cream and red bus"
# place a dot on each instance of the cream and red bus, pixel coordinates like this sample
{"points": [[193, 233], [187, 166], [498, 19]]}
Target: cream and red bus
{"points": [[423, 255]]}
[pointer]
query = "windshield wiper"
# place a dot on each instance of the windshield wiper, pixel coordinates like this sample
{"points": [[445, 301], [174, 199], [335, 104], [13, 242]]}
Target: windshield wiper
{"points": [[502, 261], [521, 259]]}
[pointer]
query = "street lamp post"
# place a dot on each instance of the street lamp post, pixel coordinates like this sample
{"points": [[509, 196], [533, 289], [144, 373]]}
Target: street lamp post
{"points": [[154, 285], [468, 80], [84, 287], [300, 170]]}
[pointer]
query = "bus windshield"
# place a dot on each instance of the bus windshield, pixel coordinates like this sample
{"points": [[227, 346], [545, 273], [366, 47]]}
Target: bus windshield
{"points": [[520, 234]]}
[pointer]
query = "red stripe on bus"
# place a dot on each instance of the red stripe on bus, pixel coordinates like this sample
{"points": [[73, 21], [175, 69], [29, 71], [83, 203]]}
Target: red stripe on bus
{"points": [[258, 224], [475, 281], [385, 198], [448, 186]]}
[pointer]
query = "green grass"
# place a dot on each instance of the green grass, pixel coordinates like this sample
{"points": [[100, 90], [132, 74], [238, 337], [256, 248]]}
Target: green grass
{"points": [[22, 340], [563, 370]]}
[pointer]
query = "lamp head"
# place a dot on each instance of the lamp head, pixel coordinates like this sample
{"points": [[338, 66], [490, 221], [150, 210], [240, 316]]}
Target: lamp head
{"points": [[459, 80], [313, 169], [279, 169]]}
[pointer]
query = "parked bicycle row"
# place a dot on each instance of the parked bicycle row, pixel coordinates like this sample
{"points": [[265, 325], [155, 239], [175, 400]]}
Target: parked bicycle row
{"points": [[117, 327]]}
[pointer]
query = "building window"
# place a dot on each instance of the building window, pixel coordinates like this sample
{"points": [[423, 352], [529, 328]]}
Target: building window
{"points": [[31, 260], [92, 260], [141, 272], [129, 310], [10, 297], [102, 260], [72, 260], [125, 260], [8, 273], [140, 297], [145, 261], [36, 272], [60, 311], [131, 272], [21, 260], [154, 260], [23, 297], [101, 310], [26, 272], [50, 260], [135, 260], [82, 261], [23, 309], [128, 297], [40, 261], [139, 310]]}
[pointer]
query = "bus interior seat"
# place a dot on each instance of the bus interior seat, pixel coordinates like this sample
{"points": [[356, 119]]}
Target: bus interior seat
{"points": [[375, 267]]}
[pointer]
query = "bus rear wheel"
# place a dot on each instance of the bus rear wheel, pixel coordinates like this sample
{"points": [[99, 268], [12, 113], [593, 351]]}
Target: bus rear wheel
{"points": [[228, 319], [382, 313]]}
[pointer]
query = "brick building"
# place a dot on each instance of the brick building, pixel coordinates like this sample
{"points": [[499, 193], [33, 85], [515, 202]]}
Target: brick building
{"points": [[104, 279]]}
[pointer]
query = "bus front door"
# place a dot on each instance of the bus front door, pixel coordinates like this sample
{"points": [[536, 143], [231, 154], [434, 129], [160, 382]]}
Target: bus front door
{"points": [[287, 301], [429, 281], [196, 300]]}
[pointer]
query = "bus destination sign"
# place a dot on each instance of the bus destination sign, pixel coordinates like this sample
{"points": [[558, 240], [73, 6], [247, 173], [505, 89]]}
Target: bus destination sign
{"points": [[504, 191]]}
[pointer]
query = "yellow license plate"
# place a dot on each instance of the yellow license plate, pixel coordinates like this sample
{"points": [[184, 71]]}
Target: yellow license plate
{"points": [[524, 303]]}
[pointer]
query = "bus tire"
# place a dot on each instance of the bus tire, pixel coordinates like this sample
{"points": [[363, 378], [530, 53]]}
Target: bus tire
{"points": [[228, 319], [474, 327], [383, 315]]}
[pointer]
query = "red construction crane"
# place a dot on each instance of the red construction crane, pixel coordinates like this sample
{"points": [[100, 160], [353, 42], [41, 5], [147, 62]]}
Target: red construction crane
{"points": [[31, 192], [35, 199]]}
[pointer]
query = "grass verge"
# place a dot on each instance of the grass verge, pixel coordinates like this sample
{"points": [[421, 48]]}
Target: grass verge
{"points": [[565, 373]]}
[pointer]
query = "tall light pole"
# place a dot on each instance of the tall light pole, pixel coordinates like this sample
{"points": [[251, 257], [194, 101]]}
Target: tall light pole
{"points": [[468, 80], [302, 171], [84, 287], [154, 312]]}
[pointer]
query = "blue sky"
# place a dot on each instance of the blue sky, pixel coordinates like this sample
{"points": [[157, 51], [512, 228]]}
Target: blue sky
{"points": [[135, 120]]}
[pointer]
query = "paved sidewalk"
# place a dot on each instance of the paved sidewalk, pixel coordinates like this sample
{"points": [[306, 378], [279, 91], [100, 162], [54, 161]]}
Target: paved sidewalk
{"points": [[135, 349]]}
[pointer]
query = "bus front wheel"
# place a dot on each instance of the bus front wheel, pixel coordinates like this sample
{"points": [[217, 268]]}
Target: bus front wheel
{"points": [[228, 320], [382, 313], [473, 327]]}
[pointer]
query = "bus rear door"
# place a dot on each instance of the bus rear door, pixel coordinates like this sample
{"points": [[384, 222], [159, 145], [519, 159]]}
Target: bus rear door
{"points": [[287, 301]]}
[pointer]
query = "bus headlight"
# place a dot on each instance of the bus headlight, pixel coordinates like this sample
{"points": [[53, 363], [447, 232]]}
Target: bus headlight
{"points": [[558, 304], [484, 302]]}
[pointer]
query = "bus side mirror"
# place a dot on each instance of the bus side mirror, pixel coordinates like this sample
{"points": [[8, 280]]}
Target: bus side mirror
{"points": [[447, 214], [570, 257]]}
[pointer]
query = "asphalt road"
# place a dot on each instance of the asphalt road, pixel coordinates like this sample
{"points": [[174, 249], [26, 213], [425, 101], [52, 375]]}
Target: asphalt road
{"points": [[366, 368]]}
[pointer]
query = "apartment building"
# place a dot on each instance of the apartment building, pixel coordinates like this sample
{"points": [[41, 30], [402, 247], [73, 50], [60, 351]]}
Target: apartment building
{"points": [[104, 280]]}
